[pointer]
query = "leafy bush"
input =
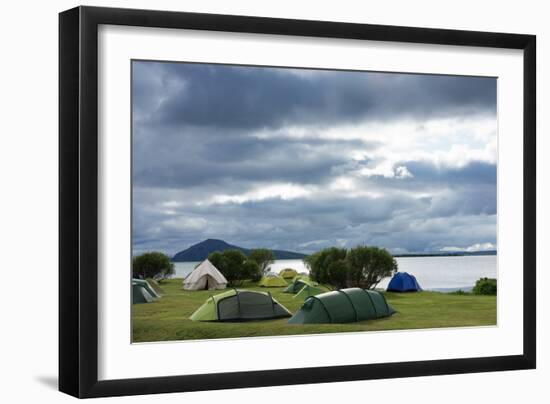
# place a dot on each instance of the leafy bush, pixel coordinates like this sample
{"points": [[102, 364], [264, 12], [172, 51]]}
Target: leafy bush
{"points": [[369, 265], [485, 286], [263, 258], [251, 270], [154, 265], [459, 292], [235, 266], [325, 266], [361, 266]]}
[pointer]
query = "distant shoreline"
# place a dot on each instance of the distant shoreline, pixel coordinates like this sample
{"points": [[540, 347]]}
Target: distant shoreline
{"points": [[412, 255], [448, 254]]}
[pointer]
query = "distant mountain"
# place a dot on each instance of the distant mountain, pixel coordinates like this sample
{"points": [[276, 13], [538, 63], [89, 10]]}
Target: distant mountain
{"points": [[202, 250]]}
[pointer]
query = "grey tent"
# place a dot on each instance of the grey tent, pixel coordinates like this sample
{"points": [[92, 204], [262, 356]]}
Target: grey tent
{"points": [[298, 284], [155, 286], [308, 291], [343, 306], [140, 294], [147, 287]]}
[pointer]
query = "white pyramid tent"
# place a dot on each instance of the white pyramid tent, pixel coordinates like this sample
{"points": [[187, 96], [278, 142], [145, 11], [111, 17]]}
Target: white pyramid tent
{"points": [[205, 276]]}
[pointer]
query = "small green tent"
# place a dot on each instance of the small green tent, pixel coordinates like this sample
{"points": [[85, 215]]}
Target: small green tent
{"points": [[307, 291], [298, 284], [272, 281], [147, 287], [140, 294], [288, 273], [240, 305], [342, 306]]}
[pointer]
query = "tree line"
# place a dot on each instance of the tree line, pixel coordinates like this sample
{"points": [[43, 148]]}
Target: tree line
{"points": [[233, 264], [361, 266]]}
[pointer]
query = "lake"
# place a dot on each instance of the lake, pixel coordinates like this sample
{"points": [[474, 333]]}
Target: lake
{"points": [[433, 273]]}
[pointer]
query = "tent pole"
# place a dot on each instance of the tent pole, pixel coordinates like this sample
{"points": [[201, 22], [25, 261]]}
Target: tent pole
{"points": [[352, 305], [371, 302]]}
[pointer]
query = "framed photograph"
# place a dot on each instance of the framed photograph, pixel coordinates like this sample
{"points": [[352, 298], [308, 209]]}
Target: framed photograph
{"points": [[250, 201]]}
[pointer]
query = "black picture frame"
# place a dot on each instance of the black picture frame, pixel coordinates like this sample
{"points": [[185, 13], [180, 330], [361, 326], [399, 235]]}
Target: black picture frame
{"points": [[78, 200]]}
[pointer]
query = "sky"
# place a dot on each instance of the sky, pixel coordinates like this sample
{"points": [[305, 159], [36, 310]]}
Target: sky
{"points": [[301, 160]]}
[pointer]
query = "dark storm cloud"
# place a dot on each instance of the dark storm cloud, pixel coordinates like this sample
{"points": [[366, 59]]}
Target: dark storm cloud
{"points": [[468, 190], [392, 221], [201, 131], [256, 97], [195, 156]]}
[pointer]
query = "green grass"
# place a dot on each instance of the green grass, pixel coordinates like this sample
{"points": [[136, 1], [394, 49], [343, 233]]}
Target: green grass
{"points": [[168, 318]]}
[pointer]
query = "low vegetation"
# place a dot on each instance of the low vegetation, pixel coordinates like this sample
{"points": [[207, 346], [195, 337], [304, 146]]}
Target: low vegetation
{"points": [[485, 286], [154, 265], [168, 318], [235, 266], [361, 266], [264, 258]]}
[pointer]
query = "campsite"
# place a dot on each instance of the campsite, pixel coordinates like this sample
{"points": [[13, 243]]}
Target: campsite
{"points": [[230, 294], [377, 188], [168, 318]]}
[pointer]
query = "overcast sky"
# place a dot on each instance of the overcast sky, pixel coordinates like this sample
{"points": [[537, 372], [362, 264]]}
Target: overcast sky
{"points": [[304, 159]]}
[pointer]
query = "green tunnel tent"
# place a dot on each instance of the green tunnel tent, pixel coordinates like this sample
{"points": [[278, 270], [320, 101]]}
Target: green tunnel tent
{"points": [[298, 284], [288, 273], [342, 306], [147, 287], [140, 294], [240, 305], [307, 291]]}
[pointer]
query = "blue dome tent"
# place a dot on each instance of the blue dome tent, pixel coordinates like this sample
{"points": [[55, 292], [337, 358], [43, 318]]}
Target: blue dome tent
{"points": [[403, 282]]}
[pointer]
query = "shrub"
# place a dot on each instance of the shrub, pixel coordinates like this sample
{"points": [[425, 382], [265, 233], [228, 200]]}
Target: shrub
{"points": [[154, 265], [369, 265], [459, 292], [485, 286], [264, 258], [320, 262], [361, 266], [235, 266], [251, 270]]}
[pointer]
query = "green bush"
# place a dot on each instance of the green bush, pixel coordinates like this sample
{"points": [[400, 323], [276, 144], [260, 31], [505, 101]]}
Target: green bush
{"points": [[264, 258], [235, 266], [154, 265], [459, 292], [325, 265], [485, 286], [361, 266], [251, 270]]}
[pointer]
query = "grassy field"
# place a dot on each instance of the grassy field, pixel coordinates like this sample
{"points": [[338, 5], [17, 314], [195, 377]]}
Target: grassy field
{"points": [[168, 318]]}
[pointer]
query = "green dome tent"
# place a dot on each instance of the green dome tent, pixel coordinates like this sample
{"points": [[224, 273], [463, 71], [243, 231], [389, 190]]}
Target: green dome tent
{"points": [[298, 284], [140, 294], [147, 287], [342, 306], [240, 305], [288, 273], [307, 291], [272, 280]]}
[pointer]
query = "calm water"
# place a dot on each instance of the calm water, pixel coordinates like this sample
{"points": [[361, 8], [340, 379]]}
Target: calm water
{"points": [[436, 273]]}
